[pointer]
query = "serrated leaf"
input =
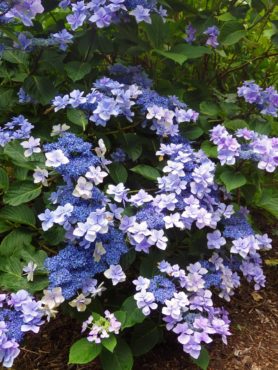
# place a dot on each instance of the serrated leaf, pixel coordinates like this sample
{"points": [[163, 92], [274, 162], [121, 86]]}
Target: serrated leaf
{"points": [[82, 352], [232, 180], [11, 277], [77, 70], [14, 240], [120, 359], [18, 215], [146, 171], [21, 192]]}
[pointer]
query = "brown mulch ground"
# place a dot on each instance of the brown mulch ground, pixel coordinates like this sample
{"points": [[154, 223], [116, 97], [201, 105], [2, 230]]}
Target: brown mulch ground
{"points": [[253, 345]]}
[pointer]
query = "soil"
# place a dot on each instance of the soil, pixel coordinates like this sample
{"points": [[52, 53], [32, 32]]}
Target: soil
{"points": [[253, 345]]}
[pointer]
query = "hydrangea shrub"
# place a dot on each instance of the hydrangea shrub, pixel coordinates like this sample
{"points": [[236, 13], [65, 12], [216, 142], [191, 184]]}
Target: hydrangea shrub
{"points": [[137, 139]]}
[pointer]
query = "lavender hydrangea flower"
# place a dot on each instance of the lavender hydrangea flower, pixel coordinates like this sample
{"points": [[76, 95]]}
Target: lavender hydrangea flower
{"points": [[215, 240], [116, 274], [141, 14], [213, 33], [145, 301], [190, 34]]}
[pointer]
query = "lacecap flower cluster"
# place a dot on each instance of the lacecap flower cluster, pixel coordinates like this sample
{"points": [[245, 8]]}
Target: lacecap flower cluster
{"points": [[265, 99], [17, 128], [19, 313], [245, 144], [99, 232], [24, 10], [103, 13], [212, 33]]}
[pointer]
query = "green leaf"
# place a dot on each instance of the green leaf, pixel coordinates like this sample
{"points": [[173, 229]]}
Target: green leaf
{"points": [[226, 17], [203, 360], [232, 180], [54, 236], [82, 352], [20, 173], [6, 98], [77, 70], [15, 56], [209, 149], [4, 227], [40, 88], [21, 192], [110, 342], [118, 172], [30, 253], [132, 145], [209, 109], [190, 51], [176, 57], [228, 28], [11, 277], [271, 262], [268, 200], [157, 31], [120, 359], [120, 316], [233, 38], [4, 180], [18, 215], [14, 151], [15, 240], [192, 133], [146, 171], [148, 266], [235, 124], [133, 313], [78, 117], [144, 337]]}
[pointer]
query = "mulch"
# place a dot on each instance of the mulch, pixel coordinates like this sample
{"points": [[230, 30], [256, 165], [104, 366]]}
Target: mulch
{"points": [[252, 346]]}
